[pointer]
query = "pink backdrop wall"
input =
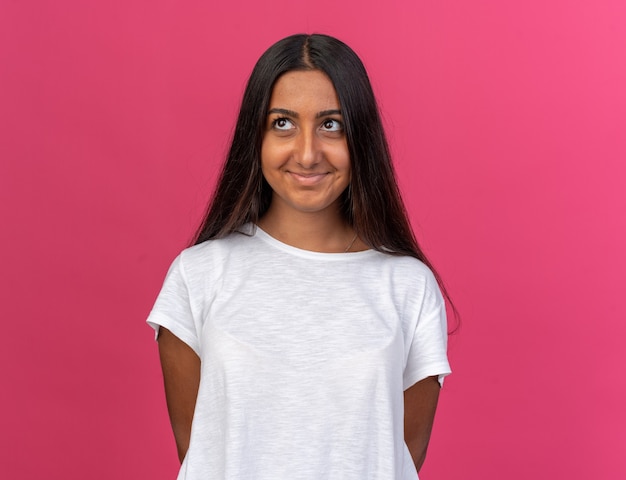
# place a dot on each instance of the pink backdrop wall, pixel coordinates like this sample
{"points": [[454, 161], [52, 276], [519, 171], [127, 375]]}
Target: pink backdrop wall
{"points": [[507, 120]]}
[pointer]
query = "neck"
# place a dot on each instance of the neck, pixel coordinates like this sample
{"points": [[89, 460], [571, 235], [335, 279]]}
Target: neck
{"points": [[317, 231]]}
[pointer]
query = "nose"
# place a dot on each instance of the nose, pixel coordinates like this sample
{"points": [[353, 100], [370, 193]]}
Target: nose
{"points": [[307, 149]]}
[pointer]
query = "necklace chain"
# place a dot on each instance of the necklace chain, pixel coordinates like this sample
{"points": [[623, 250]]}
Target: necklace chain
{"points": [[350, 244]]}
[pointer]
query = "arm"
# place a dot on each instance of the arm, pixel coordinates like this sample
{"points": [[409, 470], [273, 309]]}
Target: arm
{"points": [[181, 375], [420, 403]]}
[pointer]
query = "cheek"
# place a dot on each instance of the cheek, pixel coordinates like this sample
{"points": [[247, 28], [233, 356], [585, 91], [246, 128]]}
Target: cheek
{"points": [[343, 160], [272, 155], [267, 160]]}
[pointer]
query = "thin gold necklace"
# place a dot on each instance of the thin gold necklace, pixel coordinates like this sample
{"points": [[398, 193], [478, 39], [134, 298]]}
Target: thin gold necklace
{"points": [[351, 243]]}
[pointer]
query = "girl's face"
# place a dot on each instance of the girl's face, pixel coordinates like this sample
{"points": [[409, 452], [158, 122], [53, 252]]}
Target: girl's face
{"points": [[304, 154]]}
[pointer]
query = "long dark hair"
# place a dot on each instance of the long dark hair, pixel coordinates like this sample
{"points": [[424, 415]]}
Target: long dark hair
{"points": [[372, 204]]}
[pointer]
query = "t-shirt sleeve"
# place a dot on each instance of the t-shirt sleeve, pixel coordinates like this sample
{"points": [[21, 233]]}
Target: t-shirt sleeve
{"points": [[173, 308], [427, 352]]}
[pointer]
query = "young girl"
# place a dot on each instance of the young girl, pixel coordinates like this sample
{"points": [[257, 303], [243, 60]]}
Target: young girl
{"points": [[303, 336]]}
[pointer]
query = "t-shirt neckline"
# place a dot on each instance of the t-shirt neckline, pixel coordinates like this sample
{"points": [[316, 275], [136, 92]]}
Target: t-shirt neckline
{"points": [[267, 238]]}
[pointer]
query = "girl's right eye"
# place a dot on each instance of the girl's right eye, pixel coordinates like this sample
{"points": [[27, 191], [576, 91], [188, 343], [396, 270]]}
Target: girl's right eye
{"points": [[282, 124]]}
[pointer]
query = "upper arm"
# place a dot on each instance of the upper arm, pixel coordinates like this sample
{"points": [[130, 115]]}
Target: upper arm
{"points": [[181, 376], [420, 404]]}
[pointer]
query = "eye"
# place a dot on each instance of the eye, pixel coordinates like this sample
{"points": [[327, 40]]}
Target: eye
{"points": [[332, 125], [282, 124]]}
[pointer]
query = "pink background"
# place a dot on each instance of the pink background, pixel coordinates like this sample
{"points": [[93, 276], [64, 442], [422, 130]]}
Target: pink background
{"points": [[507, 120]]}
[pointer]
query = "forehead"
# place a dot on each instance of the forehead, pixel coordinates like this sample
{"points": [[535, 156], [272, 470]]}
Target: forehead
{"points": [[303, 90]]}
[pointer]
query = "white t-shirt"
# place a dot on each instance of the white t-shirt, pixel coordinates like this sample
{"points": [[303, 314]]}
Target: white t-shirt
{"points": [[304, 357]]}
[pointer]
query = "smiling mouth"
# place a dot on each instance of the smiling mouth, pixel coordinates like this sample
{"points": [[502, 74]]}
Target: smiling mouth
{"points": [[308, 179]]}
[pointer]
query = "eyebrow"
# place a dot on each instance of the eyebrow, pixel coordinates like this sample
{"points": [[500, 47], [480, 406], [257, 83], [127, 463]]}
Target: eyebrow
{"points": [[291, 113]]}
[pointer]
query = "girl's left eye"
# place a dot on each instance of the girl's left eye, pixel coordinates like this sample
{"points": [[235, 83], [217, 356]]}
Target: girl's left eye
{"points": [[332, 125]]}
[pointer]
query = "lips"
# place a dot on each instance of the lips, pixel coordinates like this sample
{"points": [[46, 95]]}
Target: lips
{"points": [[308, 179]]}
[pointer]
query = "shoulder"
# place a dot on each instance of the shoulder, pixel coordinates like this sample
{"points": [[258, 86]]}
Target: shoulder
{"points": [[406, 268], [210, 254], [218, 245], [410, 281]]}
